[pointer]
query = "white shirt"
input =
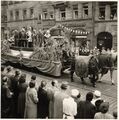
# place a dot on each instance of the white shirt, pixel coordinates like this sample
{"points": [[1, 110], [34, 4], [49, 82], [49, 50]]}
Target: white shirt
{"points": [[30, 36], [69, 108]]}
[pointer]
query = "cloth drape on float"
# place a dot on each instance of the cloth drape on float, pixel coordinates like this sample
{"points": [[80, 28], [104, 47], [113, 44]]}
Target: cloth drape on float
{"points": [[50, 68]]}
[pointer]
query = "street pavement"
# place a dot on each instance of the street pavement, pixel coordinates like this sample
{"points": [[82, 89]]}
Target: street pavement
{"points": [[109, 92]]}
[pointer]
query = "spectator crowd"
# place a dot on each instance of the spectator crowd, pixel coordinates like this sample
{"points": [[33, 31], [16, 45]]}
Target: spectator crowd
{"points": [[20, 99]]}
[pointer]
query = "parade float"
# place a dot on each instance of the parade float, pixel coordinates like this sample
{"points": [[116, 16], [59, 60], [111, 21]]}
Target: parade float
{"points": [[47, 58]]}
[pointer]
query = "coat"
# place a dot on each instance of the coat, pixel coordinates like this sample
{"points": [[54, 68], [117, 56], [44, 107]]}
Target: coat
{"points": [[14, 88], [58, 104], [85, 110], [51, 91], [43, 104], [14, 85], [73, 64], [31, 103], [5, 101], [21, 99], [10, 76], [100, 115]]}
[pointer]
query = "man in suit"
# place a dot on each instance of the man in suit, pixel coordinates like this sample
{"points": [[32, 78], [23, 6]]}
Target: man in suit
{"points": [[43, 103], [14, 87], [16, 37], [85, 109]]}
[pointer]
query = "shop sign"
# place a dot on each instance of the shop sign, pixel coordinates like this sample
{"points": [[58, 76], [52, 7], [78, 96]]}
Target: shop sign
{"points": [[73, 25], [48, 22]]}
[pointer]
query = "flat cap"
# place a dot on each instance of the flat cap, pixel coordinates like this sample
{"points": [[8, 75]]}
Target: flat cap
{"points": [[64, 85], [97, 93], [74, 92]]}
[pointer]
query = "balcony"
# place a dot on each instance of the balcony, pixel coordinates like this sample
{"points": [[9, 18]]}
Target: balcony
{"points": [[60, 4]]}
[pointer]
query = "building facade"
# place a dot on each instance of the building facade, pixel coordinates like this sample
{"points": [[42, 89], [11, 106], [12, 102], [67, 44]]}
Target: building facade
{"points": [[100, 18], [3, 18]]}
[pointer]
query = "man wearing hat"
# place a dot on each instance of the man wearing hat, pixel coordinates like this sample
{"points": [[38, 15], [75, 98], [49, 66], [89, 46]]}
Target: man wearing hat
{"points": [[97, 100], [97, 96], [58, 101], [70, 106]]}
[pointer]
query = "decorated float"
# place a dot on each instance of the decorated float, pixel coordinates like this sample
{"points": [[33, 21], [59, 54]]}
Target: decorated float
{"points": [[47, 56]]}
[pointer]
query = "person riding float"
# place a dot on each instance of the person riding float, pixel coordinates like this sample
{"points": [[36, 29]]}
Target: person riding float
{"points": [[22, 38]]}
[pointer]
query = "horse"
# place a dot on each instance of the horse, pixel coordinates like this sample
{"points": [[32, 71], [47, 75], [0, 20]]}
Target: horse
{"points": [[107, 62], [93, 65]]}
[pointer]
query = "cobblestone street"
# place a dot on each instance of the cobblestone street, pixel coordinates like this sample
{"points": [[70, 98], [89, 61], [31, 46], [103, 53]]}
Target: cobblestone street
{"points": [[109, 92]]}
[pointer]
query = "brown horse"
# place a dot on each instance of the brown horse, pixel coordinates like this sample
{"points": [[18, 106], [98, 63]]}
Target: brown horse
{"points": [[95, 65], [107, 62]]}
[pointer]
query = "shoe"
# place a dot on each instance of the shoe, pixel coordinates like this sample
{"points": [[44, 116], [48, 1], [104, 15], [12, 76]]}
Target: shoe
{"points": [[94, 85], [113, 84]]}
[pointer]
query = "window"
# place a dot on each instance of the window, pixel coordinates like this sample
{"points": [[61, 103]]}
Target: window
{"points": [[113, 7], [62, 13], [4, 18], [11, 15], [16, 2], [24, 14], [101, 11], [45, 14], [40, 17], [75, 11], [17, 15], [31, 13], [51, 15], [85, 10], [11, 2]]}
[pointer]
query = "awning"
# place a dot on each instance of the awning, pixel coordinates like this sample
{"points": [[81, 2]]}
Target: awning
{"points": [[79, 36]]}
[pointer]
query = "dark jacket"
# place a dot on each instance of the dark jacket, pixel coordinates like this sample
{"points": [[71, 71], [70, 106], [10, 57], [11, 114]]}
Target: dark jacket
{"points": [[5, 101], [16, 36], [22, 36], [73, 64], [43, 103], [14, 86], [21, 99], [85, 110]]}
